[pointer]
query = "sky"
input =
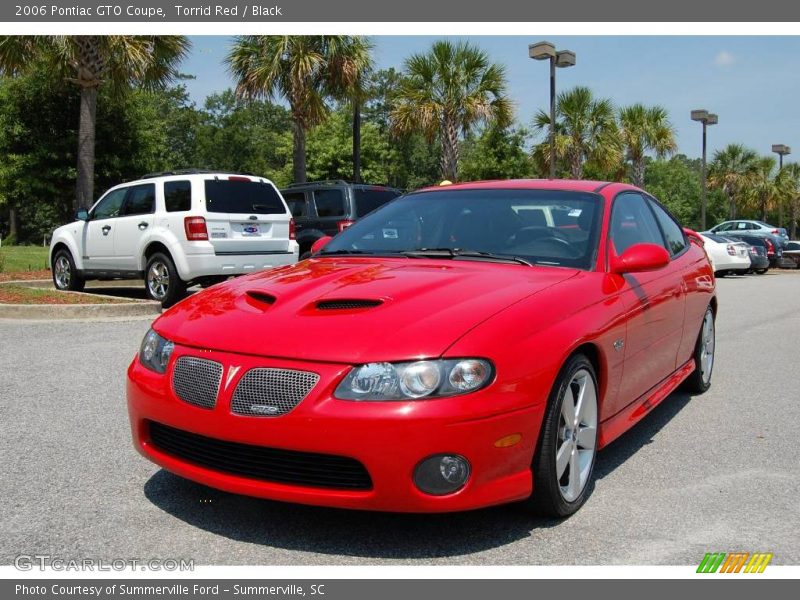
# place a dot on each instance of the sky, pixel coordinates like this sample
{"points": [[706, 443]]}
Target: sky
{"points": [[752, 82]]}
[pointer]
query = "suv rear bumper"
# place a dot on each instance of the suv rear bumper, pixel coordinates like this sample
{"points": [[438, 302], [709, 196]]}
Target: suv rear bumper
{"points": [[193, 266]]}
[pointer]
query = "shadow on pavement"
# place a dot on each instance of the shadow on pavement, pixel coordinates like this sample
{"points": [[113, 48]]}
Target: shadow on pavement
{"points": [[370, 534], [340, 532], [620, 450]]}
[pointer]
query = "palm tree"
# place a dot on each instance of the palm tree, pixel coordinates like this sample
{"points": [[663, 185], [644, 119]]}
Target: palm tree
{"points": [[730, 170], [445, 93], [90, 61], [789, 185], [351, 84], [761, 190], [644, 129], [305, 70], [586, 129]]}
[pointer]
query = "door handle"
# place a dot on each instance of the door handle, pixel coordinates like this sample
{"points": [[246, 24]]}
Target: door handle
{"points": [[143, 225], [106, 229]]}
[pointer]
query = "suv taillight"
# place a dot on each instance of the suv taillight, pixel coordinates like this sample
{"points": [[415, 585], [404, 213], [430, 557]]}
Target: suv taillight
{"points": [[195, 229], [342, 225], [731, 250], [770, 247], [292, 230]]}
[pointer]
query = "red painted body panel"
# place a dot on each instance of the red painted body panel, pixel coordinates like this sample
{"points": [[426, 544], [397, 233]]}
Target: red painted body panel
{"points": [[526, 320]]}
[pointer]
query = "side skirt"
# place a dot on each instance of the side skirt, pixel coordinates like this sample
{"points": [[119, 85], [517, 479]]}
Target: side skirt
{"points": [[110, 274], [615, 426]]}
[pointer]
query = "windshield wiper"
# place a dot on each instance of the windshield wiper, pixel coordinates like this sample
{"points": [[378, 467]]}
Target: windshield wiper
{"points": [[346, 251], [458, 253]]}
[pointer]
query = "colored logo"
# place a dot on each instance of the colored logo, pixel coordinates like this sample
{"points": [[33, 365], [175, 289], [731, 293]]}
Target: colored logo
{"points": [[734, 562]]}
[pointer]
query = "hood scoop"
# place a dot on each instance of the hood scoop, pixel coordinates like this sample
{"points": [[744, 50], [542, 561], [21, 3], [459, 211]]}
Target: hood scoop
{"points": [[261, 297], [348, 304]]}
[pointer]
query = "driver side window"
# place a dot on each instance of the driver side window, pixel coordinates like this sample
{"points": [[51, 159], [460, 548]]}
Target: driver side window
{"points": [[109, 207], [632, 222]]}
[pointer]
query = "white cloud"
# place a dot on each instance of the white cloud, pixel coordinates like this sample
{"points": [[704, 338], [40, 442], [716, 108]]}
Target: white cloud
{"points": [[724, 59]]}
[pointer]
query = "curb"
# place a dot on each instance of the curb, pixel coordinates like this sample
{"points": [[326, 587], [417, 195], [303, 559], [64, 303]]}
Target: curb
{"points": [[132, 308]]}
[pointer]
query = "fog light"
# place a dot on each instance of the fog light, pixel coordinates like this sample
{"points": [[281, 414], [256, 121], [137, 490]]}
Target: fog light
{"points": [[442, 474]]}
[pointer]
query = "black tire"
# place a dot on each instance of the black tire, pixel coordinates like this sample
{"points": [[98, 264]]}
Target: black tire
{"points": [[761, 271], [697, 383], [65, 275], [547, 498], [161, 280], [720, 274]]}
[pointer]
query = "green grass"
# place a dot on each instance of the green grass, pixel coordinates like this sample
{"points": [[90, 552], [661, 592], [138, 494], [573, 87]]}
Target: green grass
{"points": [[18, 259]]}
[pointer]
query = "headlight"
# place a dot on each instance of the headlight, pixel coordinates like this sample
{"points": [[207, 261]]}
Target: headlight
{"points": [[155, 352], [415, 380]]}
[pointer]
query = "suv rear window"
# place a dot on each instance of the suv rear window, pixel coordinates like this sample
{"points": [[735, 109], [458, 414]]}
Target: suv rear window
{"points": [[242, 196], [329, 203], [368, 200]]}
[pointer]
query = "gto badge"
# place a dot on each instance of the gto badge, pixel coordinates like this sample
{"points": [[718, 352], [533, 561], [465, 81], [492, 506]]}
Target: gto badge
{"points": [[264, 409]]}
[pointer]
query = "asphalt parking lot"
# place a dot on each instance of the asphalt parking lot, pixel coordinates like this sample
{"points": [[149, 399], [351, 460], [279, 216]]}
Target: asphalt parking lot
{"points": [[718, 472]]}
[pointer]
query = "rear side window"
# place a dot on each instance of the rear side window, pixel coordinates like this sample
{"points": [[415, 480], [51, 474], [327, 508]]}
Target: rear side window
{"points": [[242, 196], [330, 203], [673, 234], [177, 196], [368, 200], [141, 200], [632, 222], [297, 203]]}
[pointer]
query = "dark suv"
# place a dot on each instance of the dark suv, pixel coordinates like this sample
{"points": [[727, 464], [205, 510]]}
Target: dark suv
{"points": [[323, 208]]}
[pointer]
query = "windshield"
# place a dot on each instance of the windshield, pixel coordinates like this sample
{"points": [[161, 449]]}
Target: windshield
{"points": [[545, 227]]}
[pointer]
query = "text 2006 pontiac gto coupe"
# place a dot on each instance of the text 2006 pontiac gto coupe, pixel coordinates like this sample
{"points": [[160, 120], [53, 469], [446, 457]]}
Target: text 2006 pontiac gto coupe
{"points": [[460, 347]]}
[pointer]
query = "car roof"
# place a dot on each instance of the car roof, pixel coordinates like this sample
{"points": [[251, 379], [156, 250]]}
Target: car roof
{"points": [[572, 185]]}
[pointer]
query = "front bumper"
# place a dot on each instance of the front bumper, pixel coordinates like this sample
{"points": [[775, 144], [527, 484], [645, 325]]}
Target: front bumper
{"points": [[388, 438]]}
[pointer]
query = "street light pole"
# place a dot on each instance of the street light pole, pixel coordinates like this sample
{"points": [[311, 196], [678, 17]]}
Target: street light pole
{"points": [[706, 119], [781, 150], [561, 59]]}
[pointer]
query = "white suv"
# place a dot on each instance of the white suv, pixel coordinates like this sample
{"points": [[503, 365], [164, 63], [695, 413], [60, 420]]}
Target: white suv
{"points": [[176, 229]]}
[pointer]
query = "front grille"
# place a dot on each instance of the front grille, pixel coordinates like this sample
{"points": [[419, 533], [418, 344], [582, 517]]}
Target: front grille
{"points": [[259, 462], [196, 380], [271, 392], [346, 304]]}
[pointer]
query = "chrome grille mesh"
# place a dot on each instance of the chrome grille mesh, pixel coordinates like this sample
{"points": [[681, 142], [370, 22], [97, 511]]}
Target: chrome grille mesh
{"points": [[271, 392], [196, 380]]}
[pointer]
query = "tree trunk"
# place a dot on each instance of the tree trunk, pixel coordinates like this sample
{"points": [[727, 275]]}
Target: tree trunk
{"points": [[298, 152], [637, 174], [732, 209], [576, 165], [793, 224], [449, 149], [13, 226], [764, 210], [356, 142], [84, 197]]}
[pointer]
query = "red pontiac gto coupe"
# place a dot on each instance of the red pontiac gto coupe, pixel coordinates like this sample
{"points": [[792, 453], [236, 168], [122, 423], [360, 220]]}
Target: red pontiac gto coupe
{"points": [[460, 347]]}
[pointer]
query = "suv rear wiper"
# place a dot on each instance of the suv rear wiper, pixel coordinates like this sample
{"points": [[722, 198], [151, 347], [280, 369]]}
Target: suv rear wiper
{"points": [[458, 253]]}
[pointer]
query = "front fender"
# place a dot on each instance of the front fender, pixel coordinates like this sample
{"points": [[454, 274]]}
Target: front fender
{"points": [[68, 235]]}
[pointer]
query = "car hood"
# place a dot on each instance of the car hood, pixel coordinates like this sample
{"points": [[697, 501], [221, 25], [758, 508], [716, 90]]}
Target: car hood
{"points": [[353, 310]]}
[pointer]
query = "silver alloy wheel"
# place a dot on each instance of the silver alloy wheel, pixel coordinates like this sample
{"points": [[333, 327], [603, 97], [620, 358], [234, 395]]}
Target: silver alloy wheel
{"points": [[577, 435], [158, 280], [62, 272], [707, 347]]}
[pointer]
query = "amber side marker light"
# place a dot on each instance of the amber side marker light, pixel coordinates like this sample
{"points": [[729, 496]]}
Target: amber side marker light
{"points": [[508, 441]]}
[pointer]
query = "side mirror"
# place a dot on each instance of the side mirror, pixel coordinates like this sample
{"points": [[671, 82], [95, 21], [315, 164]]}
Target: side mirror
{"points": [[640, 257], [82, 214], [320, 244]]}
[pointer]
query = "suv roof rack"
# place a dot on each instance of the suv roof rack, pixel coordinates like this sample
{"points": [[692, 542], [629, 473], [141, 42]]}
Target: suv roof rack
{"points": [[191, 172], [336, 182]]}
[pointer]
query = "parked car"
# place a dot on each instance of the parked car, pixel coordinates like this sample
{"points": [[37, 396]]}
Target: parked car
{"points": [[773, 250], [792, 253], [324, 208], [726, 255], [175, 229], [778, 235], [468, 360]]}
